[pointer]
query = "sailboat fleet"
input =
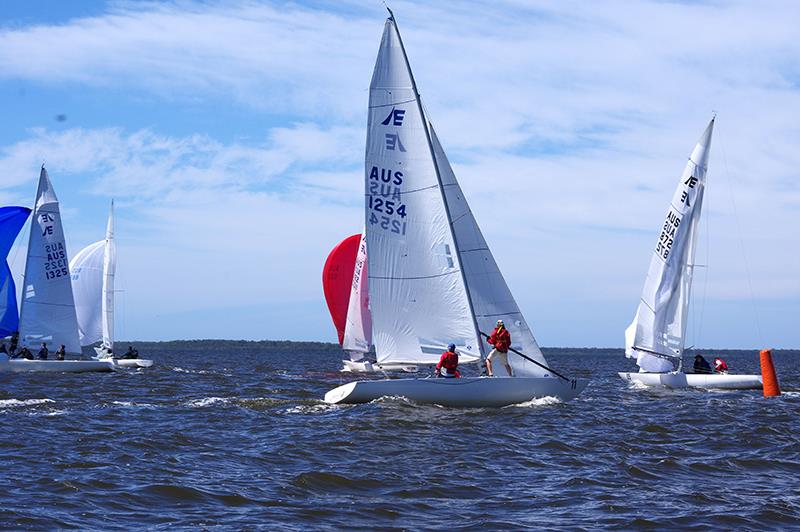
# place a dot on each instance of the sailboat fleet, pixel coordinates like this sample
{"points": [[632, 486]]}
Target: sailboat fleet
{"points": [[419, 277], [57, 309]]}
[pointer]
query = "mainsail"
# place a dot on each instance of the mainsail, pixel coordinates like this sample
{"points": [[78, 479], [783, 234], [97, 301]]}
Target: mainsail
{"points": [[491, 298], [358, 326], [418, 298], [92, 272], [48, 308], [11, 221], [656, 336]]}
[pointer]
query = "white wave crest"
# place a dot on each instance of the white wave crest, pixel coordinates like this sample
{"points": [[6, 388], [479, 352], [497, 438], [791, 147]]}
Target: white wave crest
{"points": [[311, 409], [206, 401], [12, 403]]}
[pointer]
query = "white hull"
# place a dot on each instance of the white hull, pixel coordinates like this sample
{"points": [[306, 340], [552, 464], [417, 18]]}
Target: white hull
{"points": [[132, 362], [716, 381], [464, 392], [60, 366], [365, 366]]}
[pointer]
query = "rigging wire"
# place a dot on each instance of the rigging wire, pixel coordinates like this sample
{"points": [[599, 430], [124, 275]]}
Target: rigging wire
{"points": [[757, 321]]}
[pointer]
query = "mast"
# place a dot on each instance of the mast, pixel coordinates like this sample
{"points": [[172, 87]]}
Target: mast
{"points": [[108, 282], [441, 186]]}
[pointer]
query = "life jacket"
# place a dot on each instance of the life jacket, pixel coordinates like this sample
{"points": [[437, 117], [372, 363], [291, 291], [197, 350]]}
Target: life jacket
{"points": [[448, 365], [500, 339]]}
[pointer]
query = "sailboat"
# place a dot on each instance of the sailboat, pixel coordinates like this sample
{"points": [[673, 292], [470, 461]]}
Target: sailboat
{"points": [[344, 279], [432, 278], [47, 310], [92, 272], [656, 337]]}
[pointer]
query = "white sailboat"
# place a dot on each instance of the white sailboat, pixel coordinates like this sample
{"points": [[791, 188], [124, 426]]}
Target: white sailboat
{"points": [[656, 337], [92, 272], [432, 278], [47, 312]]}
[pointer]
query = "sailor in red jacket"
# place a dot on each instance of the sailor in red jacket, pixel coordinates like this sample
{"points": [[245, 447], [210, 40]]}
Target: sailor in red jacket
{"points": [[501, 340], [448, 363], [720, 366]]}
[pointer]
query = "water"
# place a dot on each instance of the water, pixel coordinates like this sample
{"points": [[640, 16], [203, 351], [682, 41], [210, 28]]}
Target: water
{"points": [[239, 439]]}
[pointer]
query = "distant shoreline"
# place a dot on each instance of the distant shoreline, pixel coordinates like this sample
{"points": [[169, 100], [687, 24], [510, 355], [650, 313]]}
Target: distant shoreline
{"points": [[326, 346]]}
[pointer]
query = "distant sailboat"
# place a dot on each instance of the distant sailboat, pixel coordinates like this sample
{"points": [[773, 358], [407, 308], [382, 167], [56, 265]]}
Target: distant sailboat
{"points": [[432, 278], [346, 291], [656, 337], [47, 312], [93, 270]]}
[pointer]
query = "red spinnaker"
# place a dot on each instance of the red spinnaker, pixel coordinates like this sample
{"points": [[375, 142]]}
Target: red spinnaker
{"points": [[337, 277]]}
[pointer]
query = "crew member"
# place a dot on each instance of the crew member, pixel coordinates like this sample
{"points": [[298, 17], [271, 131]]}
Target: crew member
{"points": [[25, 353], [720, 366], [43, 352], [61, 352], [448, 364], [131, 353], [701, 365], [501, 340]]}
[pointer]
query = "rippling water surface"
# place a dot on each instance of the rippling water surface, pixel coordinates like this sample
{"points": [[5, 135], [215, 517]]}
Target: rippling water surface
{"points": [[239, 438]]}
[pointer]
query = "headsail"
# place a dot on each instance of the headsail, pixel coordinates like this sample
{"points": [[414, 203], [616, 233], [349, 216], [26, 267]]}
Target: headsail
{"points": [[491, 298], [337, 278], [48, 308], [418, 297], [92, 271], [11, 221], [656, 336], [358, 326]]}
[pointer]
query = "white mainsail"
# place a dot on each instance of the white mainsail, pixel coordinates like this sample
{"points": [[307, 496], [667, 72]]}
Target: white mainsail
{"points": [[656, 336], [47, 311], [491, 298], [358, 327], [418, 298], [93, 285]]}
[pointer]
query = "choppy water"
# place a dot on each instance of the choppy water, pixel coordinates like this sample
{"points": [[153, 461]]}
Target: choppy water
{"points": [[239, 439]]}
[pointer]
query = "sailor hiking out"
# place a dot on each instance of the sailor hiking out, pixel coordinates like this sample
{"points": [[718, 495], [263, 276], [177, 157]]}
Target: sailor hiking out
{"points": [[701, 365], [501, 341], [448, 364], [720, 366]]}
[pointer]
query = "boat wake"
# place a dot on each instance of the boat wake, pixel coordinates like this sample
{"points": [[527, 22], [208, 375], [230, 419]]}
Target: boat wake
{"points": [[539, 401], [206, 401]]}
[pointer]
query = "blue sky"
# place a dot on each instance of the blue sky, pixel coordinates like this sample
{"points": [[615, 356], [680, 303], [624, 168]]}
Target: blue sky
{"points": [[231, 136]]}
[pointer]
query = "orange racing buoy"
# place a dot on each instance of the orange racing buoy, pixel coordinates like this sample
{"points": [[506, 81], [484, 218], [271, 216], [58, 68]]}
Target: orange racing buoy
{"points": [[769, 378]]}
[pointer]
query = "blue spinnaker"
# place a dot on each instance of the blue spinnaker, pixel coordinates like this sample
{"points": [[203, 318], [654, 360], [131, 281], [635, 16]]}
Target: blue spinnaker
{"points": [[11, 221]]}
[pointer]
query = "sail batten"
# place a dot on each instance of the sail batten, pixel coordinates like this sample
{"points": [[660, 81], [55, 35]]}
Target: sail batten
{"points": [[659, 326]]}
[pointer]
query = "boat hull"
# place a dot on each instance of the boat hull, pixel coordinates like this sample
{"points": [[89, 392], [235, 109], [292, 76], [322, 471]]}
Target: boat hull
{"points": [[56, 366], [132, 362], [467, 392], [365, 366], [716, 381]]}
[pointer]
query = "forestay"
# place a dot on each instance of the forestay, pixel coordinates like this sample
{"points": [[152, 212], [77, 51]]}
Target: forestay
{"points": [[48, 308], [418, 299], [11, 221], [491, 298], [358, 326], [656, 336]]}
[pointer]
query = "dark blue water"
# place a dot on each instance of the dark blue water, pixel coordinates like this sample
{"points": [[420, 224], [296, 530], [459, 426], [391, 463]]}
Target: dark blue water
{"points": [[239, 439]]}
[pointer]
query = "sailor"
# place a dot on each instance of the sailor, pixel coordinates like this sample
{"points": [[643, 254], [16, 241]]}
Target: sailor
{"points": [[14, 341], [43, 352], [501, 340], [720, 366], [131, 353], [448, 364], [61, 352], [25, 353], [701, 365]]}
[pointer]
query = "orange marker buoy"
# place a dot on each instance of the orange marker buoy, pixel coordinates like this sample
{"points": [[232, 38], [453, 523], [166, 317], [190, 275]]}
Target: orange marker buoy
{"points": [[769, 378]]}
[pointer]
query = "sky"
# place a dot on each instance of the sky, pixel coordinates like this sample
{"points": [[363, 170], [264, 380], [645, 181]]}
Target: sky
{"points": [[231, 137]]}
